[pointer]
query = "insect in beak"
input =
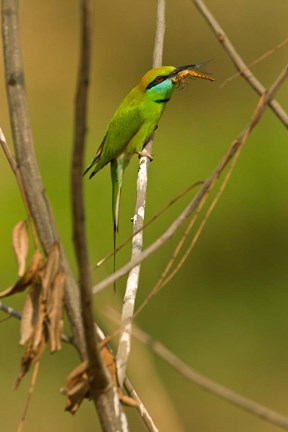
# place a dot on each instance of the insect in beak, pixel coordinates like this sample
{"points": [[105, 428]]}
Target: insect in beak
{"points": [[188, 71]]}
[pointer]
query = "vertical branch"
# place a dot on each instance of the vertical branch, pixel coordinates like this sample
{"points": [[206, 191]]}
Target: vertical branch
{"points": [[102, 391], [138, 221], [80, 128], [26, 160]]}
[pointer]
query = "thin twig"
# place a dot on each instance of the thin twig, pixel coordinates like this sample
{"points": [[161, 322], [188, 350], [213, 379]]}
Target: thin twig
{"points": [[26, 160], [256, 61], [149, 222], [149, 423], [15, 314], [142, 410], [10, 311], [205, 383], [203, 221], [238, 61], [138, 222], [164, 279], [205, 189], [29, 397]]}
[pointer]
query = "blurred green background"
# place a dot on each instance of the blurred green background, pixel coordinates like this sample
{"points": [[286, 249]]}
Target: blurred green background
{"points": [[225, 313]]}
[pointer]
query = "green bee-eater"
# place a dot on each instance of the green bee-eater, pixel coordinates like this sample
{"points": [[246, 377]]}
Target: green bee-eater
{"points": [[133, 123]]}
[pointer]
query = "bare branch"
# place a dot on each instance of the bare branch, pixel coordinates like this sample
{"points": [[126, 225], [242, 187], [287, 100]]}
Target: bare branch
{"points": [[254, 62], [102, 391], [238, 61], [26, 161], [138, 222], [211, 386], [201, 380], [205, 189]]}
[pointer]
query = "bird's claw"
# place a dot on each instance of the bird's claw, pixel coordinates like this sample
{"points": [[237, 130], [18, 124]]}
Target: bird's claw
{"points": [[145, 153]]}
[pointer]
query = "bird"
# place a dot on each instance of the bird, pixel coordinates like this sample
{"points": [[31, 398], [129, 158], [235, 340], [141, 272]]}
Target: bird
{"points": [[134, 122]]}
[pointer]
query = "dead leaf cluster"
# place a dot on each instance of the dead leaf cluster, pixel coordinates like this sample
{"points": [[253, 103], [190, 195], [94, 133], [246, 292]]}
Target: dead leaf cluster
{"points": [[76, 386], [42, 311]]}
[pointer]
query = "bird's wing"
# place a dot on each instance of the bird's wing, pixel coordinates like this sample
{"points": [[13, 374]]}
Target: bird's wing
{"points": [[125, 123]]}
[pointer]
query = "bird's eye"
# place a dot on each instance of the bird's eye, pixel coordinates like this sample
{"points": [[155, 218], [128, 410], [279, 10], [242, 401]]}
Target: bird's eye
{"points": [[159, 79]]}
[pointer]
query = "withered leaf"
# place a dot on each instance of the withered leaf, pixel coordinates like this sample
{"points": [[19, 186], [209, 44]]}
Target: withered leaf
{"points": [[20, 242], [39, 326], [30, 313], [51, 268], [109, 360], [30, 356], [27, 278], [54, 311], [128, 400], [76, 387]]}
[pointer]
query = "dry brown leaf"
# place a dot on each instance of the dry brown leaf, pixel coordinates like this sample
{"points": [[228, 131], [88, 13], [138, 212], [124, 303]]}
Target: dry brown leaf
{"points": [[20, 242], [76, 387], [51, 269], [28, 277], [128, 400], [39, 324], [42, 312], [47, 276], [30, 313], [55, 311], [30, 356], [110, 362]]}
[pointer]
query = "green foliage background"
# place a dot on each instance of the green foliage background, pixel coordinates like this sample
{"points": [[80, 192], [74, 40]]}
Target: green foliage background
{"points": [[225, 314]]}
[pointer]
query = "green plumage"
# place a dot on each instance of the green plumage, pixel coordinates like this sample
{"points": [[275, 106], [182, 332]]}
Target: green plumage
{"points": [[131, 126]]}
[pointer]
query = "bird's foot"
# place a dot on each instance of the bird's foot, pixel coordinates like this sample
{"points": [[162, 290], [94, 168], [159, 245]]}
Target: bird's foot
{"points": [[145, 153]]}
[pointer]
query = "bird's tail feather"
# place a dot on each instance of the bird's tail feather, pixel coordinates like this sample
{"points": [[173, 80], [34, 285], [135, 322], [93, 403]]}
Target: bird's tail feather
{"points": [[117, 170]]}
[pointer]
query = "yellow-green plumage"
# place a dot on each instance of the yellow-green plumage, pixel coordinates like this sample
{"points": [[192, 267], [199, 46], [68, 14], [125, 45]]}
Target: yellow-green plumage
{"points": [[131, 126]]}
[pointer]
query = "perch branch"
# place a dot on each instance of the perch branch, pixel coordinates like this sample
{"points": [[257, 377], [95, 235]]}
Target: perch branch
{"points": [[205, 189], [138, 222], [238, 61]]}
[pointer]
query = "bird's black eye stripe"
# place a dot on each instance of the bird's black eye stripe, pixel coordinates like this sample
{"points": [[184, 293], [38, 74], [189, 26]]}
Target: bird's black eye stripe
{"points": [[156, 81]]}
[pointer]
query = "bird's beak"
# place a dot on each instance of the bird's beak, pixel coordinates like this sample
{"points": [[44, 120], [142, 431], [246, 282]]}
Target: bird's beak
{"points": [[186, 67], [182, 72]]}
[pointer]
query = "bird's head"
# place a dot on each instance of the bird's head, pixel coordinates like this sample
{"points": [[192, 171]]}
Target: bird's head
{"points": [[164, 79]]}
